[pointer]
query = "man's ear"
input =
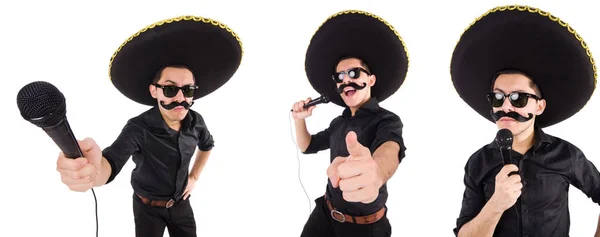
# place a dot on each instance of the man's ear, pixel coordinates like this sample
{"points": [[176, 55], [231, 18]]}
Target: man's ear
{"points": [[372, 80], [152, 89], [541, 106]]}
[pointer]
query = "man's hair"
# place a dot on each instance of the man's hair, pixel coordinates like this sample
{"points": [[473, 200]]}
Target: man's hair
{"points": [[532, 83], [362, 63], [158, 74]]}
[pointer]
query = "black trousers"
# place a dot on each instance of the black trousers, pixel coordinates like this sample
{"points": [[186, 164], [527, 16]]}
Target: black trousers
{"points": [[151, 221], [321, 224]]}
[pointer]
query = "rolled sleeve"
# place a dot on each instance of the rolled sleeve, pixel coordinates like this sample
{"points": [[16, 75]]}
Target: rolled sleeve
{"points": [[206, 141], [472, 202], [390, 129], [584, 175], [126, 144], [318, 142]]}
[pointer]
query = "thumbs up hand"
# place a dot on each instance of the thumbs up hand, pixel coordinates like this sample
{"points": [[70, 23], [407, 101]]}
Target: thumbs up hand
{"points": [[359, 175]]}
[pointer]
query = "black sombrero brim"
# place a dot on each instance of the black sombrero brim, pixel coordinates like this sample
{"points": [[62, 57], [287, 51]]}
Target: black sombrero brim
{"points": [[530, 40], [211, 50], [362, 35]]}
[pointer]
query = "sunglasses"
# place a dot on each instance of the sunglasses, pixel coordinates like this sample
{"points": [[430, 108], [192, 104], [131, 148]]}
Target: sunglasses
{"points": [[353, 73], [171, 91], [516, 99]]}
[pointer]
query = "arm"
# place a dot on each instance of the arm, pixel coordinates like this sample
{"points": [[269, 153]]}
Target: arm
{"points": [[477, 218], [199, 163], [585, 177], [103, 173], [386, 157], [309, 144], [205, 145], [597, 234], [302, 134], [117, 154], [483, 224], [389, 146]]}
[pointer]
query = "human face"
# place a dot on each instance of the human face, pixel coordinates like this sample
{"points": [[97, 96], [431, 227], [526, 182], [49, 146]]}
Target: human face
{"points": [[177, 77], [509, 83], [352, 97]]}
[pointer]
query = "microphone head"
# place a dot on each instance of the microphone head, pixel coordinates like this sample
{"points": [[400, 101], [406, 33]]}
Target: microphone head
{"points": [[41, 103], [504, 138]]}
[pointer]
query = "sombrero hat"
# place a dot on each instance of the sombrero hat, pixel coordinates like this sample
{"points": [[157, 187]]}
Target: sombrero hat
{"points": [[210, 49], [357, 34], [530, 40]]}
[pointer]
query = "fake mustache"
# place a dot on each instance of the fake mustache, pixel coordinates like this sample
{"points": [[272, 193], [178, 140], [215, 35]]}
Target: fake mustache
{"points": [[353, 85], [514, 115], [174, 104]]}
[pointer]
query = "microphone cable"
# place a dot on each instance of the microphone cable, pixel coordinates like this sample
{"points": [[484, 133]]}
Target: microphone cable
{"points": [[298, 158], [96, 210]]}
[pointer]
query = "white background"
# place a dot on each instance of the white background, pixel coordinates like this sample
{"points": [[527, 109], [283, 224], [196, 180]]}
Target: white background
{"points": [[250, 185]]}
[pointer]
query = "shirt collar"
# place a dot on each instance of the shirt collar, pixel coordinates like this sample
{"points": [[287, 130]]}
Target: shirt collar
{"points": [[371, 105]]}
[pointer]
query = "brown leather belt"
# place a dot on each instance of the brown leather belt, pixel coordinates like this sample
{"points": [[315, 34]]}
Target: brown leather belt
{"points": [[368, 219], [157, 203]]}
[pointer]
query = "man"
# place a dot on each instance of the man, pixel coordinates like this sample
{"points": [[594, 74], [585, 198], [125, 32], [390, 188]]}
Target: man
{"points": [[366, 140], [167, 66], [536, 73]]}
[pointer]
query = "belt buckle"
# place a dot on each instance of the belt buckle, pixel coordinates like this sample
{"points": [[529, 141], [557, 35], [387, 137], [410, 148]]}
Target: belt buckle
{"points": [[170, 203], [333, 212]]}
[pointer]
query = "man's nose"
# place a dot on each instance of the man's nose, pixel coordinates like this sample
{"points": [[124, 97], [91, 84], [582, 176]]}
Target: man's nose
{"points": [[507, 106], [347, 78], [179, 96]]}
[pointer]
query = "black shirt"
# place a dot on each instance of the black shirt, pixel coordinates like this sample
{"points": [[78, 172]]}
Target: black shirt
{"points": [[161, 154], [373, 126], [547, 170]]}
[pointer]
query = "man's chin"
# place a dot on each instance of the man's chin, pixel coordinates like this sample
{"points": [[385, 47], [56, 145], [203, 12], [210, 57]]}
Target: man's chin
{"points": [[178, 114], [506, 124], [514, 126], [350, 101]]}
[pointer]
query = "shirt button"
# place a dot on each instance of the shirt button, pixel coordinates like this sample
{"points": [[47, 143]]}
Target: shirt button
{"points": [[524, 182], [526, 211]]}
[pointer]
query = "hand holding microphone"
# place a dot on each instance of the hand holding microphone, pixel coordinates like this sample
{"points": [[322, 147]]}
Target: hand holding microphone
{"points": [[43, 105], [80, 174], [508, 188], [508, 181], [301, 109]]}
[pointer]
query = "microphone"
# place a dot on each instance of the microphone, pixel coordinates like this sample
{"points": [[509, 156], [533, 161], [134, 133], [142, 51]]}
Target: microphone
{"points": [[504, 140], [323, 99], [43, 105]]}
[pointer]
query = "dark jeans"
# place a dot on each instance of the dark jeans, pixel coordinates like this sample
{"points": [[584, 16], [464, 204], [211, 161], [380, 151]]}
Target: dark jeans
{"points": [[151, 221], [321, 224]]}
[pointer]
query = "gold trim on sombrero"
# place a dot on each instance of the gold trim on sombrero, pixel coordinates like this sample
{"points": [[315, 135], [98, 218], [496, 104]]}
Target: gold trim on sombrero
{"points": [[175, 19], [376, 17], [552, 18]]}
